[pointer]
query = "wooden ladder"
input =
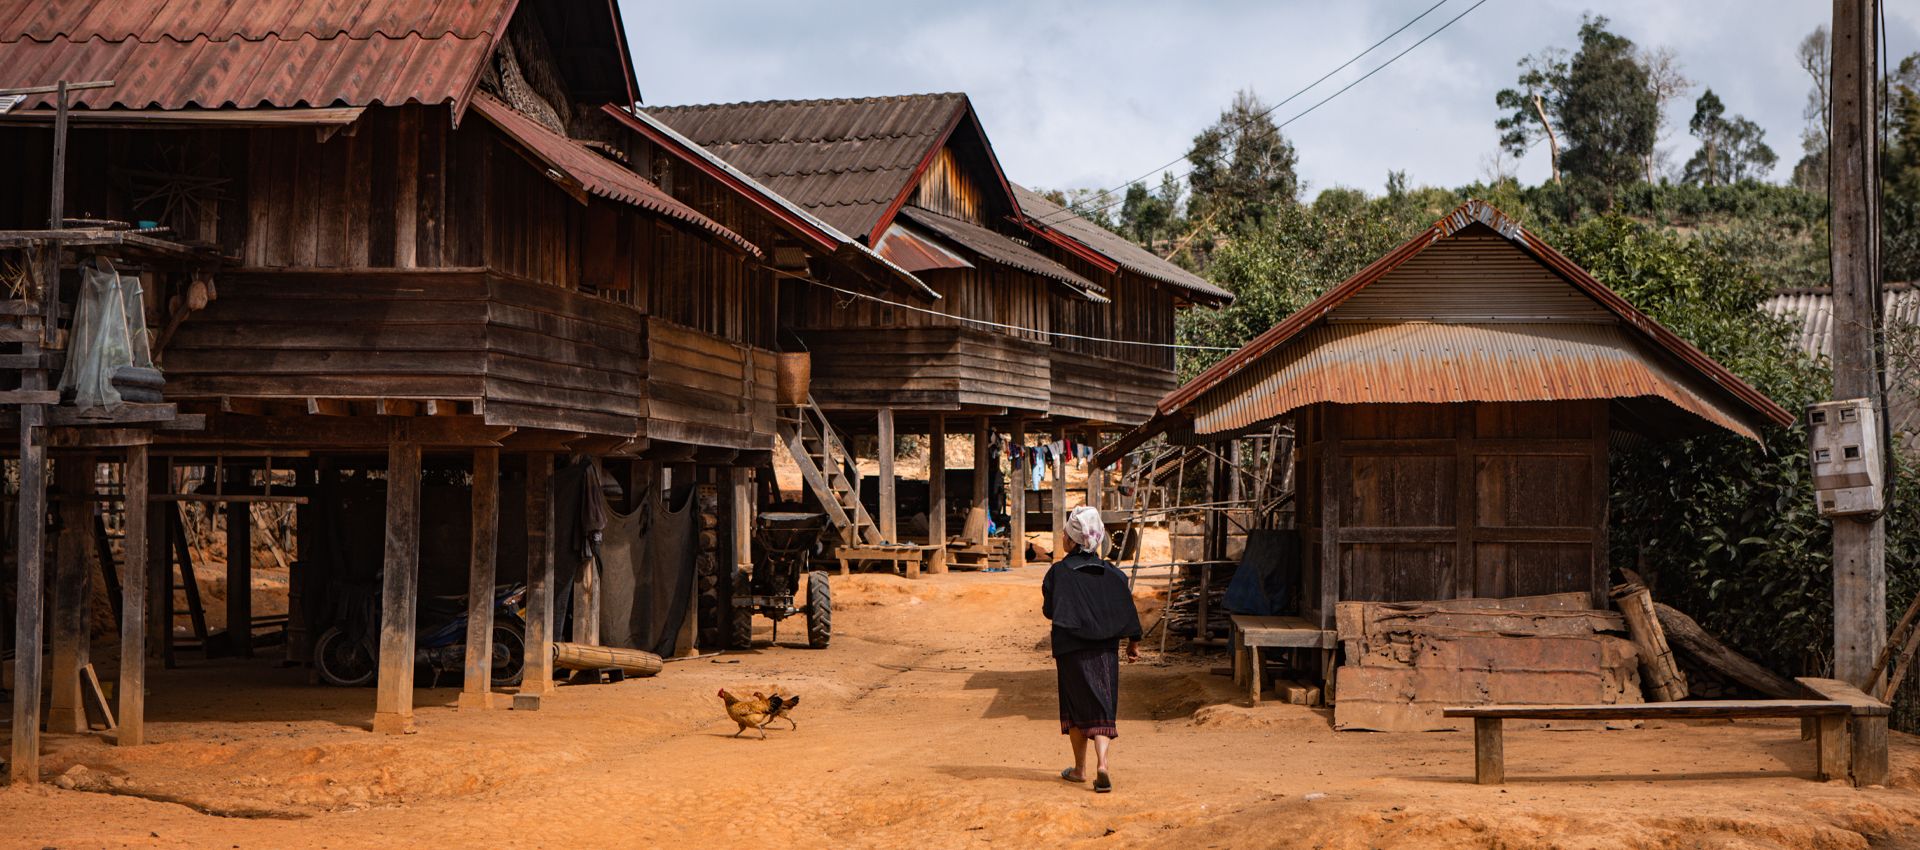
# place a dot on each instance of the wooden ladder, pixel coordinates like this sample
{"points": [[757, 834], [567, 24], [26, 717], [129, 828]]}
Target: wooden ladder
{"points": [[817, 450]]}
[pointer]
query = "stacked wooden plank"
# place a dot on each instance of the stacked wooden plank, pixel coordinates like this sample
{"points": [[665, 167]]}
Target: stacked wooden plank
{"points": [[1406, 661]]}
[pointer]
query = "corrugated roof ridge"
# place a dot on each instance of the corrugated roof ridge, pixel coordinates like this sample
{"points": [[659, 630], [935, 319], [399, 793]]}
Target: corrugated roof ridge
{"points": [[275, 36], [819, 101]]}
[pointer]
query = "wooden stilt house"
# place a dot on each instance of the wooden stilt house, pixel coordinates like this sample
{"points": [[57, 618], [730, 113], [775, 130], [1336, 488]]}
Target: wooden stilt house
{"points": [[379, 248], [1453, 405], [915, 179]]}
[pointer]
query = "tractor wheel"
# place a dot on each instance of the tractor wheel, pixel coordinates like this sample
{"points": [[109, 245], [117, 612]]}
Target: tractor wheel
{"points": [[740, 620], [819, 610]]}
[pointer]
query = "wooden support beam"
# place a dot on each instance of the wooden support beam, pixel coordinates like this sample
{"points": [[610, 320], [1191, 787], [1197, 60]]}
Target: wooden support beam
{"points": [[1017, 494], [71, 598], [741, 480], [982, 456], [937, 490], [1489, 751], [889, 503], [1060, 493], [159, 562], [1096, 476], [239, 570], [538, 680], [476, 690], [399, 591], [132, 690]]}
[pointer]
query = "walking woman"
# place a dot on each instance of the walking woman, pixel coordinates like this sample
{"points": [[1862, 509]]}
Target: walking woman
{"points": [[1091, 607]]}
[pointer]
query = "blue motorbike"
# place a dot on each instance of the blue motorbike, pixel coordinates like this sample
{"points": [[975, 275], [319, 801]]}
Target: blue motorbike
{"points": [[347, 654]]}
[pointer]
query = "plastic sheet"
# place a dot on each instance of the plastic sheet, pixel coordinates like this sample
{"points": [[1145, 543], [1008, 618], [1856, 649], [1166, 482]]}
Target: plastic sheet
{"points": [[99, 343]]}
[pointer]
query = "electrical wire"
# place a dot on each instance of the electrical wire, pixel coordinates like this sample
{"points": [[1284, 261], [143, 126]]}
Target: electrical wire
{"points": [[878, 300], [1075, 207], [1303, 113]]}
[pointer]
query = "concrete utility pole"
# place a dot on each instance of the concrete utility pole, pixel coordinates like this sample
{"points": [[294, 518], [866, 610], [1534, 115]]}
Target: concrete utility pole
{"points": [[1859, 543]]}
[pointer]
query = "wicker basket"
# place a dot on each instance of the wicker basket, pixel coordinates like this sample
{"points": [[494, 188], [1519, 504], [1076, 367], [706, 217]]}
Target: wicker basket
{"points": [[575, 656], [796, 377]]}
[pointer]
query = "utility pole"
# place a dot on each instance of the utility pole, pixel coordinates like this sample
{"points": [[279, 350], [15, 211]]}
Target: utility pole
{"points": [[1859, 543]]}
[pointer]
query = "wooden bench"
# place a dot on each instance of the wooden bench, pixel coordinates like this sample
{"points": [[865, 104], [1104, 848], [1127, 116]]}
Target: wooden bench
{"points": [[912, 555], [1250, 633], [1850, 727]]}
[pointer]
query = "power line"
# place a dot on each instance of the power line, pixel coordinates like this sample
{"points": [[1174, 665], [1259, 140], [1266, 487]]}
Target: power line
{"points": [[878, 300], [1271, 109], [1323, 101]]}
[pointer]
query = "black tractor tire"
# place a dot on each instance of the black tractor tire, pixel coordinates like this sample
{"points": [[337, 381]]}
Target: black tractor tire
{"points": [[740, 620], [340, 662], [509, 654], [819, 610]]}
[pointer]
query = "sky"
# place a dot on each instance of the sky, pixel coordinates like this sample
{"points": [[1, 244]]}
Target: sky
{"points": [[1094, 94]]}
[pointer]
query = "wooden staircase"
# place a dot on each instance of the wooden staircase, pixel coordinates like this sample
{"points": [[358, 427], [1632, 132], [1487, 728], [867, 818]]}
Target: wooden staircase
{"points": [[817, 450]]}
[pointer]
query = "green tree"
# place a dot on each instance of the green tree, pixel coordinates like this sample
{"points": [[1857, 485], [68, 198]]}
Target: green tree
{"points": [[1610, 112], [1731, 149], [1533, 107], [1242, 168], [1816, 58]]}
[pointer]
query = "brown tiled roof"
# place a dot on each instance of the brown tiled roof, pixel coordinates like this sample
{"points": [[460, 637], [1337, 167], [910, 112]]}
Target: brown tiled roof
{"points": [[844, 160], [594, 174], [997, 248], [173, 54], [1047, 214]]}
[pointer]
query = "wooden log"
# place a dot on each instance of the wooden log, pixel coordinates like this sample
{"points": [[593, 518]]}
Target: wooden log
{"points": [[72, 600], [132, 690], [937, 490], [889, 502], [399, 591], [1687, 635], [1017, 495], [477, 684], [579, 656], [538, 680], [239, 571], [1489, 751], [1716, 709], [1869, 737], [1665, 682]]}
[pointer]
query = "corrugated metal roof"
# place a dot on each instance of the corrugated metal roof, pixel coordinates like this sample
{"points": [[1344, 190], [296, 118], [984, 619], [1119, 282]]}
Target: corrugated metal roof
{"points": [[1425, 362], [596, 174], [997, 248], [917, 252], [173, 54], [1811, 311], [1266, 353], [1049, 215], [846, 160]]}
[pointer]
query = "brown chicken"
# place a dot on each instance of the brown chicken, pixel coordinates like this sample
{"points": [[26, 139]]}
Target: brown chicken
{"points": [[757, 712]]}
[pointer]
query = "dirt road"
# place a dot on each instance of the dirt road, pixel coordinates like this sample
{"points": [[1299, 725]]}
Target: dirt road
{"points": [[929, 723]]}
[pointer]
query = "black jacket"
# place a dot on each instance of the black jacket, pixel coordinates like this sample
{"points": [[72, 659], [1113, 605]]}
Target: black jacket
{"points": [[1089, 603]]}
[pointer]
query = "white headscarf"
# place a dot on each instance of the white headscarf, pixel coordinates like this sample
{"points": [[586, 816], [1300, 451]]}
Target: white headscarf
{"points": [[1085, 528]]}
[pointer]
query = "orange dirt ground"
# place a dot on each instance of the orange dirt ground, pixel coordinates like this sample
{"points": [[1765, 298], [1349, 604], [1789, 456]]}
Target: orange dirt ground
{"points": [[931, 722]]}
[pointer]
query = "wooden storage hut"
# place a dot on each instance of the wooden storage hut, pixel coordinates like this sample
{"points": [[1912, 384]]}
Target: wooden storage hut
{"points": [[1453, 405], [1035, 316], [405, 237]]}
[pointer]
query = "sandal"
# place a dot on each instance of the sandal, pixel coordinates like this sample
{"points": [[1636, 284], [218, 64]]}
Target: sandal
{"points": [[1103, 783], [1068, 775]]}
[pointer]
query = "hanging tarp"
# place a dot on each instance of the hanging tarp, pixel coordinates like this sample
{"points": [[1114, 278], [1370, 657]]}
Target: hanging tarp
{"points": [[646, 573], [108, 358]]}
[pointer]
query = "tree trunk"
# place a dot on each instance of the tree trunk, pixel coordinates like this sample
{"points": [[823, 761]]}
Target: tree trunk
{"points": [[1553, 142], [1689, 637]]}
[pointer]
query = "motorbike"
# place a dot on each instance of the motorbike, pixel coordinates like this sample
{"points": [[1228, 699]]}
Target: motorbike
{"points": [[347, 654]]}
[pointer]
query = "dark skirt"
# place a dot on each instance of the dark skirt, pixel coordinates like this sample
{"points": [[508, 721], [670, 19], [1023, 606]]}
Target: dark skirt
{"points": [[1089, 691]]}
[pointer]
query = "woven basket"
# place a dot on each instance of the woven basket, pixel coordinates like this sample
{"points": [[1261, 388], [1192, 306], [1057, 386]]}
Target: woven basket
{"points": [[575, 656], [796, 378]]}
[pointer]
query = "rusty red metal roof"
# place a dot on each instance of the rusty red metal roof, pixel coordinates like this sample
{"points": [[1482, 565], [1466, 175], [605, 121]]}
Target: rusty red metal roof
{"points": [[846, 160], [173, 54], [1224, 385], [1002, 250], [582, 171], [1043, 214]]}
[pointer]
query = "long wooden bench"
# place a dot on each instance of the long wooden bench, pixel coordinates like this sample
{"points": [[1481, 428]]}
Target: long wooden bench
{"points": [[1850, 728]]}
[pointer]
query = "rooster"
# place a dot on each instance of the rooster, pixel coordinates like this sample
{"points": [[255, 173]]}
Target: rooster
{"points": [[756, 713], [784, 710]]}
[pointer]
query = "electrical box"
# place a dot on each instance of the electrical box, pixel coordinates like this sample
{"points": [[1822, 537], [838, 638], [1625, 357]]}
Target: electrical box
{"points": [[1845, 453]]}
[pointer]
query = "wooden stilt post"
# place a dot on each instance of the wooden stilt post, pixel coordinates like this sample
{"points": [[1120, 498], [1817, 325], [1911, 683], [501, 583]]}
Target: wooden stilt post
{"points": [[132, 691], [476, 690], [982, 457], [741, 515], [399, 588], [159, 562], [937, 490], [1060, 492], [1017, 495], [29, 550], [71, 599], [538, 681], [889, 504], [687, 643], [1096, 476], [239, 569]]}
